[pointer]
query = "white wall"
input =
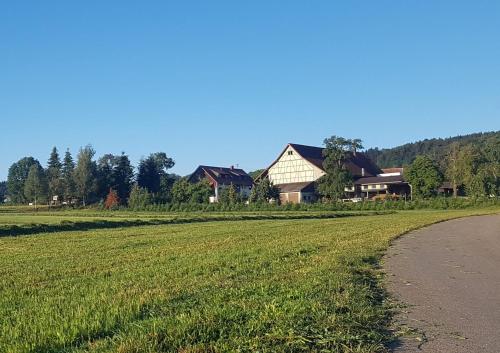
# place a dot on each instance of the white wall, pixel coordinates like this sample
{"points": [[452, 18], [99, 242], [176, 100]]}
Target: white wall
{"points": [[293, 169]]}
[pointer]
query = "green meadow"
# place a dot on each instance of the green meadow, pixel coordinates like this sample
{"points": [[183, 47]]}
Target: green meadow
{"points": [[286, 282]]}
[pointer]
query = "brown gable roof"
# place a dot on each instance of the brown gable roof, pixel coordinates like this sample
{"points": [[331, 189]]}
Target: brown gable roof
{"points": [[314, 155], [355, 162], [222, 175]]}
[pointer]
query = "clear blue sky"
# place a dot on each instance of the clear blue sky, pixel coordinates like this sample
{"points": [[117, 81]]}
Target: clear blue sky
{"points": [[231, 82]]}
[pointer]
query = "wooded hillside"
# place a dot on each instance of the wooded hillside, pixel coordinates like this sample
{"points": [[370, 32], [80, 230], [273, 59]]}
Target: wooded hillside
{"points": [[435, 148]]}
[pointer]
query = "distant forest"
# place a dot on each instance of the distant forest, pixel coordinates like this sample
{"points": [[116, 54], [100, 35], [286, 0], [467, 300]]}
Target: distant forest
{"points": [[435, 148]]}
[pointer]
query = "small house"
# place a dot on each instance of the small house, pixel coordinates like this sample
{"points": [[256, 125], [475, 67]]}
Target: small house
{"points": [[221, 178]]}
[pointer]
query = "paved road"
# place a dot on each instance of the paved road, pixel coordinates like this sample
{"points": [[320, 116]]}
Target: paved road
{"points": [[448, 277]]}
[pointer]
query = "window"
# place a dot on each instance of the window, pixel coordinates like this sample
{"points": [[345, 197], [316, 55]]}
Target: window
{"points": [[290, 153]]}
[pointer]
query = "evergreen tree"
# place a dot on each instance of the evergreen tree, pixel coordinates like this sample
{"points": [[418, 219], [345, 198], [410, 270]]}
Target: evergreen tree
{"points": [[122, 176], [36, 187], [85, 171], [104, 175], [54, 175], [3, 191], [67, 174], [424, 177]]}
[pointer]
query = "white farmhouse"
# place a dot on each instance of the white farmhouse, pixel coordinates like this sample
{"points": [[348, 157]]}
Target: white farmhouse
{"points": [[297, 168]]}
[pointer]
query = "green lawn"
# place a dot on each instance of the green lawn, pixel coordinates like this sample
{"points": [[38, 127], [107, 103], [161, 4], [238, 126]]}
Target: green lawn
{"points": [[289, 285]]}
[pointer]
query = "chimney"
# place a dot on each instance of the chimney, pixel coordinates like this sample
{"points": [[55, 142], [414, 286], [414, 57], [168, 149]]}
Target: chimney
{"points": [[363, 172], [232, 167]]}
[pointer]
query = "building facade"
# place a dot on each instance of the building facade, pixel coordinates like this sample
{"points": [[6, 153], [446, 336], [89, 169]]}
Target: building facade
{"points": [[298, 167]]}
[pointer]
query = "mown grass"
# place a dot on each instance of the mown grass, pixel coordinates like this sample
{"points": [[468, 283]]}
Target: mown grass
{"points": [[255, 285], [27, 223]]}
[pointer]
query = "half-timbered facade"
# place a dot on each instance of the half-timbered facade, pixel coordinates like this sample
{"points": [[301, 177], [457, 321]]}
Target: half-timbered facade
{"points": [[298, 167]]}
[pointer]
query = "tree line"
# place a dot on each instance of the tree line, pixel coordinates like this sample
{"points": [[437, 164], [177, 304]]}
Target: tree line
{"points": [[110, 181], [85, 180], [471, 168]]}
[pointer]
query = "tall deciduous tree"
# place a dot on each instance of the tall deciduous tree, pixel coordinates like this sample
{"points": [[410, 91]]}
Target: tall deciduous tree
{"points": [[85, 173], [336, 152], [492, 168], [152, 173], [54, 175], [181, 191], [67, 174], [18, 173], [36, 187], [454, 167], [114, 172], [424, 177]]}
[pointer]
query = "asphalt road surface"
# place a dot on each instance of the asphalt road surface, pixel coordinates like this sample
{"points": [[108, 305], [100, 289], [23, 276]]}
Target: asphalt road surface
{"points": [[446, 279]]}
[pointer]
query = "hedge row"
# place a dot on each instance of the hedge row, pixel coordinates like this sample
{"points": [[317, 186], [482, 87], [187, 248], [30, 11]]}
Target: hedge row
{"points": [[437, 203]]}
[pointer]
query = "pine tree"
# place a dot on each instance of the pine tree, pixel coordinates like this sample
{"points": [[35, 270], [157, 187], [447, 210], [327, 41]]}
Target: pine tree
{"points": [[54, 175], [122, 176], [67, 174]]}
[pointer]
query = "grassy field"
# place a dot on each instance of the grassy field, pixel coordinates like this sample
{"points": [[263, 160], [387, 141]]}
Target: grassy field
{"points": [[281, 285]]}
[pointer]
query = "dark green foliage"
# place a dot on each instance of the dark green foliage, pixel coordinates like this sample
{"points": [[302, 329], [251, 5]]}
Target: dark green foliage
{"points": [[337, 149], [54, 175], [424, 177], [167, 181], [434, 148], [67, 174], [152, 169], [114, 172], [255, 173], [36, 186], [3, 191], [18, 173]]}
